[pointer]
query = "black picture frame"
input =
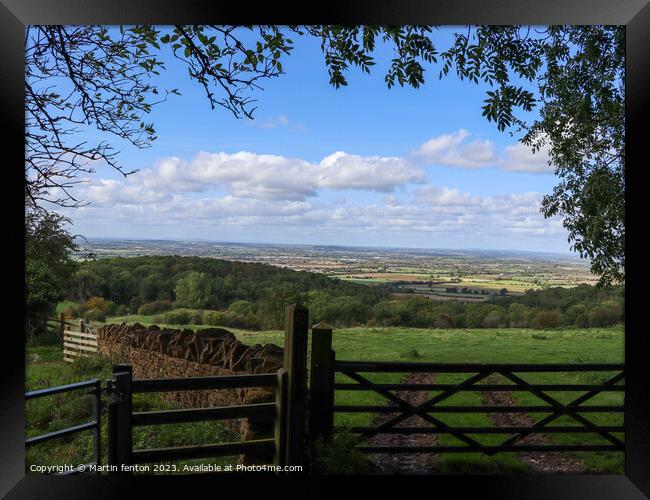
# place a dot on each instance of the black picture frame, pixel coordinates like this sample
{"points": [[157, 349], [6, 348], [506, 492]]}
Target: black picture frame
{"points": [[635, 14]]}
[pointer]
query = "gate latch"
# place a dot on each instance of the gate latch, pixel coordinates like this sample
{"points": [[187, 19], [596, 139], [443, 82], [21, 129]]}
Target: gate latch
{"points": [[114, 396]]}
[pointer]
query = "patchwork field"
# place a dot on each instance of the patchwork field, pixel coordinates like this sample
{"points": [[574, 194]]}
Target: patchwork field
{"points": [[479, 275], [514, 285]]}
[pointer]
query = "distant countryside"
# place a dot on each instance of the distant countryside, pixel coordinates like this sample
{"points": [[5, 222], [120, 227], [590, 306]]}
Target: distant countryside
{"points": [[344, 287]]}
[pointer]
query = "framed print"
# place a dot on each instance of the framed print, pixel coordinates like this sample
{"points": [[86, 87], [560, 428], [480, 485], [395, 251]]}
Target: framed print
{"points": [[268, 253]]}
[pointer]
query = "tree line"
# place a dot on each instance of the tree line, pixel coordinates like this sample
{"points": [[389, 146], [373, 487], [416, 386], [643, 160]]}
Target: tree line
{"points": [[197, 290], [252, 294]]}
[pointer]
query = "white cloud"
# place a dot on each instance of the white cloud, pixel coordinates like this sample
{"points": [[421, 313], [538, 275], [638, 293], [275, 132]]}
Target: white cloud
{"points": [[521, 158], [110, 191], [446, 213], [433, 214], [452, 150], [246, 191], [392, 200], [375, 173], [444, 196], [260, 176]]}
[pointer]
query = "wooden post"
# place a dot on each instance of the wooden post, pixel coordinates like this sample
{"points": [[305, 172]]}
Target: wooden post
{"points": [[280, 433], [61, 325], [295, 362], [120, 438], [82, 326], [321, 386]]}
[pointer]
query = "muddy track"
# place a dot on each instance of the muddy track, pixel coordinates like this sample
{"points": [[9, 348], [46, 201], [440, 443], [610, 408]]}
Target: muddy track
{"points": [[544, 462], [407, 463]]}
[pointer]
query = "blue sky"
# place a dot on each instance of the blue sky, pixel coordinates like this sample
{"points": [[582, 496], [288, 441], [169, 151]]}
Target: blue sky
{"points": [[360, 165]]}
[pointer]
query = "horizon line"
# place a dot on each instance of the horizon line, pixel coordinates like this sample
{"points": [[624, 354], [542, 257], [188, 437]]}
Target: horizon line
{"points": [[201, 240]]}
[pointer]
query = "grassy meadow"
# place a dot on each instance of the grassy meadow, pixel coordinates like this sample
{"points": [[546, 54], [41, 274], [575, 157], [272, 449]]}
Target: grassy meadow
{"points": [[45, 368]]}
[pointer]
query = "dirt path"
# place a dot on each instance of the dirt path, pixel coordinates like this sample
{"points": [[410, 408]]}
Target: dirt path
{"points": [[407, 463], [424, 463], [544, 462]]}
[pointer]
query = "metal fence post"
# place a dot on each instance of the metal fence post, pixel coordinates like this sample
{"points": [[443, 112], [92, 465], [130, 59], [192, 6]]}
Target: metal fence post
{"points": [[321, 411], [295, 362], [280, 433], [97, 417], [120, 438]]}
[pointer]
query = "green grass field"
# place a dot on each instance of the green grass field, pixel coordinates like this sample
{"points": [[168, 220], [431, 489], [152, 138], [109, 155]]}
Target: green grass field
{"points": [[412, 344]]}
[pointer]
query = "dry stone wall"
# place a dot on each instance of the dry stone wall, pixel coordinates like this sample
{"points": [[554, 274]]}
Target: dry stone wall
{"points": [[155, 352]]}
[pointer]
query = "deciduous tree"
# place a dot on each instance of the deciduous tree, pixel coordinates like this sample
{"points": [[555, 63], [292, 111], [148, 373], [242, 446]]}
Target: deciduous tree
{"points": [[193, 290]]}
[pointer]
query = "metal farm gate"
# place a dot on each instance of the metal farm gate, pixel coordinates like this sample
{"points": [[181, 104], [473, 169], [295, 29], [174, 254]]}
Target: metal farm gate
{"points": [[324, 367]]}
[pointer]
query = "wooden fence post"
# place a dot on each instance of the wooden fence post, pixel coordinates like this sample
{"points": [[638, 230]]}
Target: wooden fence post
{"points": [[120, 437], [321, 386], [295, 362], [82, 326], [61, 325]]}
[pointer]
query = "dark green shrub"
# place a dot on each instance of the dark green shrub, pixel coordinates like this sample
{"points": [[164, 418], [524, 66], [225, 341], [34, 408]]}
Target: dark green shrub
{"points": [[48, 338], [95, 315], [111, 308], [444, 321], [90, 365], [241, 307], [196, 318], [146, 309], [546, 319], [572, 313], [339, 456], [213, 318], [70, 312], [518, 315], [177, 318], [605, 314], [154, 307], [582, 320], [493, 319], [134, 304], [234, 320]]}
